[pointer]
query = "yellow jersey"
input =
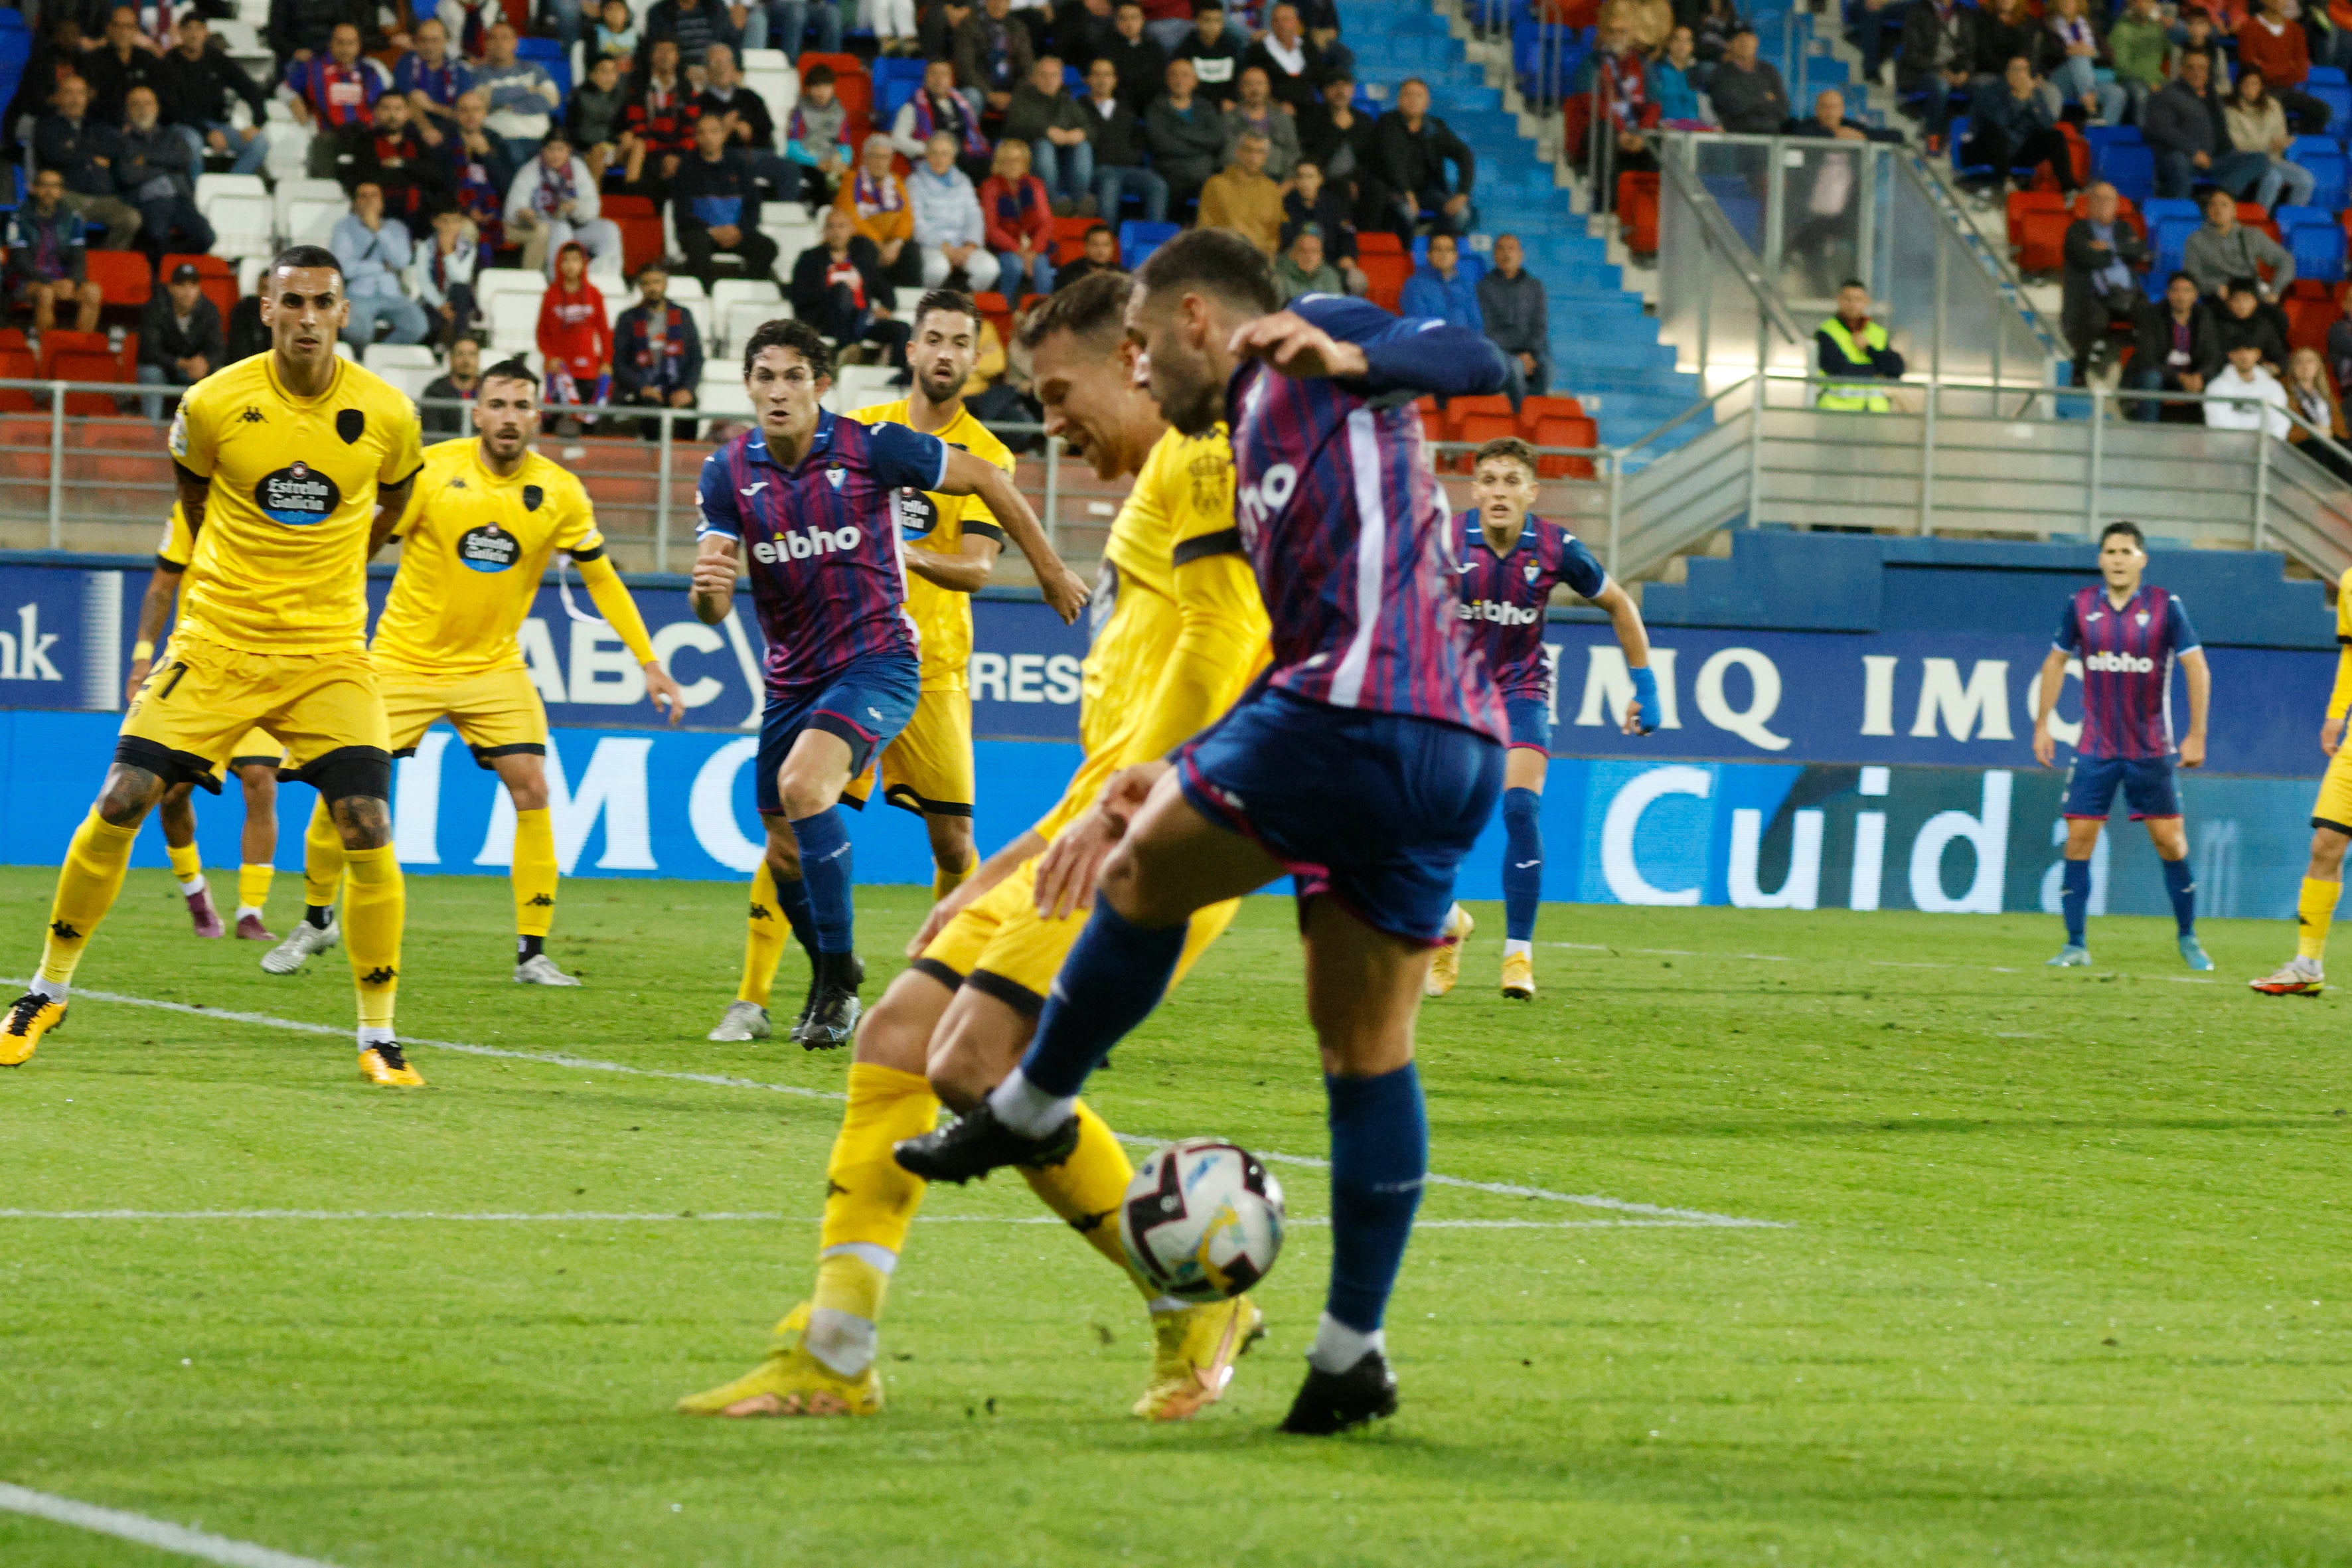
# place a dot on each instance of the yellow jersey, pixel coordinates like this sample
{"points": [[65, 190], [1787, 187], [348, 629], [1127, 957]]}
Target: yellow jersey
{"points": [[473, 545], [928, 521], [173, 553], [280, 562], [1180, 511], [2340, 699]]}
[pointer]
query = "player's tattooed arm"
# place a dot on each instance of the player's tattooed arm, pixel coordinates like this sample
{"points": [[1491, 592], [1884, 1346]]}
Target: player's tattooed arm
{"points": [[390, 506], [2053, 676], [2201, 696], [966, 572], [194, 490], [711, 589], [969, 475], [154, 610]]}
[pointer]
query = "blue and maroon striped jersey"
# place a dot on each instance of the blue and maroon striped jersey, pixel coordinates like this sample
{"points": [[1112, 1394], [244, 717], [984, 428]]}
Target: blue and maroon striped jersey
{"points": [[1345, 524], [1502, 596], [819, 543], [2127, 658]]}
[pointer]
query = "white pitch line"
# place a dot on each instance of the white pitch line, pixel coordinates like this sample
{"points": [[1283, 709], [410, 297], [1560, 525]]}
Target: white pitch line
{"points": [[1699, 1218], [1875, 962], [201, 1545], [355, 1215]]}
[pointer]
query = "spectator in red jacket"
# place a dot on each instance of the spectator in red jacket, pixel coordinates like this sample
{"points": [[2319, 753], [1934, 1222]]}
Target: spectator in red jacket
{"points": [[2274, 44], [1019, 214], [575, 336]]}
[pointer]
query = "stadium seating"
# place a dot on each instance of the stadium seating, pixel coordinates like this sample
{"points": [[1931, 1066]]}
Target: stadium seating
{"points": [[122, 276], [1138, 239], [740, 306], [213, 276]]}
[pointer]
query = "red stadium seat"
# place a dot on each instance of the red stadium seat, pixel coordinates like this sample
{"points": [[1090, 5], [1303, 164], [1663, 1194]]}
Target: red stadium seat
{"points": [[2307, 321], [1386, 277], [87, 367], [618, 206], [1462, 408], [58, 342], [122, 276], [1565, 431], [213, 276], [1533, 409], [1378, 242], [17, 365], [996, 309]]}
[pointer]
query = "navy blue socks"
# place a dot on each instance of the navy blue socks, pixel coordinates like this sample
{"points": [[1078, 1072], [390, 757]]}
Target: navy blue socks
{"points": [[824, 840], [1522, 862], [1380, 1157], [2182, 888], [2074, 899], [1114, 977]]}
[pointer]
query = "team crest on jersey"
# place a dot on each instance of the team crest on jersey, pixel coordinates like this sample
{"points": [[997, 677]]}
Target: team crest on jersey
{"points": [[1533, 569], [488, 548], [1211, 473], [2141, 618], [297, 496], [914, 514], [833, 476], [351, 424], [531, 496]]}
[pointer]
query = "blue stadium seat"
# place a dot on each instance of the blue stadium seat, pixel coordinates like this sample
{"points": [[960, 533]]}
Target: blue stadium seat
{"points": [[2157, 208], [2316, 243], [2130, 167], [2330, 74], [550, 55], [896, 80], [1138, 239], [2170, 239], [2335, 95]]}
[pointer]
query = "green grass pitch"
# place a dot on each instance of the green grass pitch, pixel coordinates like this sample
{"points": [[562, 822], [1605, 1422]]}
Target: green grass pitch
{"points": [[2060, 1273]]}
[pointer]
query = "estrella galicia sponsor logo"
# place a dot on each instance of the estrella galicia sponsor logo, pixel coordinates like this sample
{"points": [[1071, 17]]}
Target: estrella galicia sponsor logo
{"points": [[914, 512], [297, 496], [488, 548], [801, 546]]}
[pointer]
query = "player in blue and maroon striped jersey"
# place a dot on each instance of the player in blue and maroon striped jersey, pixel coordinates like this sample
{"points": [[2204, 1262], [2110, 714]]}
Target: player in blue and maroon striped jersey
{"points": [[2127, 635], [1510, 561], [1364, 761], [804, 506]]}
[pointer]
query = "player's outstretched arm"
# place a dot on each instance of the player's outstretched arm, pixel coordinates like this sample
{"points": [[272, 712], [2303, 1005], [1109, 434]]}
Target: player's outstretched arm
{"points": [[154, 611], [711, 589], [2053, 676], [969, 475], [1633, 637], [1351, 339], [965, 572], [619, 608], [991, 871], [2200, 697], [1067, 871]]}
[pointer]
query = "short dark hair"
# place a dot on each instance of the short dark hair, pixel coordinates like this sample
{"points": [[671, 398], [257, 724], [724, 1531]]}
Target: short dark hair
{"points": [[1093, 307], [2189, 278], [1093, 229], [1741, 31], [515, 369], [1217, 261], [2243, 286], [1201, 6], [817, 75], [300, 256], [1508, 448], [2120, 526], [954, 302], [1854, 283], [473, 338], [555, 133], [798, 336]]}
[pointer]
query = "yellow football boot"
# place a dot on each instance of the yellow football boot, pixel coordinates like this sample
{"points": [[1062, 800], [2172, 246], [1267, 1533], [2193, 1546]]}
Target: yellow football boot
{"points": [[1518, 977], [30, 1016], [1193, 1354], [1445, 964], [791, 1382], [384, 1065]]}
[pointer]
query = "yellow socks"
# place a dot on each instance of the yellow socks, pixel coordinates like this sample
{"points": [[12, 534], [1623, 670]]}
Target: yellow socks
{"points": [[1085, 1189], [187, 864], [2315, 910], [534, 873], [944, 882], [765, 931], [374, 908], [869, 1203], [323, 860], [253, 886], [87, 884]]}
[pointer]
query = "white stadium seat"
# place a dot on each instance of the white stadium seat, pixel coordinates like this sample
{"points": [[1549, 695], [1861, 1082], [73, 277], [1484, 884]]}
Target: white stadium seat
{"points": [[290, 191], [492, 281], [740, 319], [241, 227], [212, 187], [310, 222], [289, 150], [856, 386], [384, 358], [514, 321], [721, 395]]}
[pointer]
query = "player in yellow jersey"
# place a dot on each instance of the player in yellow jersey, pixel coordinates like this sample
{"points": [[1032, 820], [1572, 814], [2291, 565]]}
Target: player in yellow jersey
{"points": [[1179, 634], [951, 547], [2306, 975], [487, 514], [293, 467], [255, 762]]}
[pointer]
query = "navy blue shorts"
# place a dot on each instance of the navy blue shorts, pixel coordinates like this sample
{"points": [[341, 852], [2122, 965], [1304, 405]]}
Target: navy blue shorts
{"points": [[2146, 783], [1373, 809], [866, 702], [1530, 720]]}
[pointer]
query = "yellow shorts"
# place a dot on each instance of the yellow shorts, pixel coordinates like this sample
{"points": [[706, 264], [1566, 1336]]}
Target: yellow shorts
{"points": [[928, 768], [2333, 806], [1001, 946], [497, 714], [204, 704], [257, 746]]}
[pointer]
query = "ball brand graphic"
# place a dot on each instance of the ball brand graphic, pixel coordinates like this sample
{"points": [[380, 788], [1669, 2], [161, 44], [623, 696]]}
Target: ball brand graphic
{"points": [[2120, 663], [801, 546], [488, 548], [297, 496]]}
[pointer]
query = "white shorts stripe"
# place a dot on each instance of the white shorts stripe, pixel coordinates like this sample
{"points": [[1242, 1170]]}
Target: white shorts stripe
{"points": [[1372, 547]]}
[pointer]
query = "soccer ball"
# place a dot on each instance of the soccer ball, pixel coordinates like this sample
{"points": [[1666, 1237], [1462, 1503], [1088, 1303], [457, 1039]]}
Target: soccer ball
{"points": [[1202, 1220]]}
